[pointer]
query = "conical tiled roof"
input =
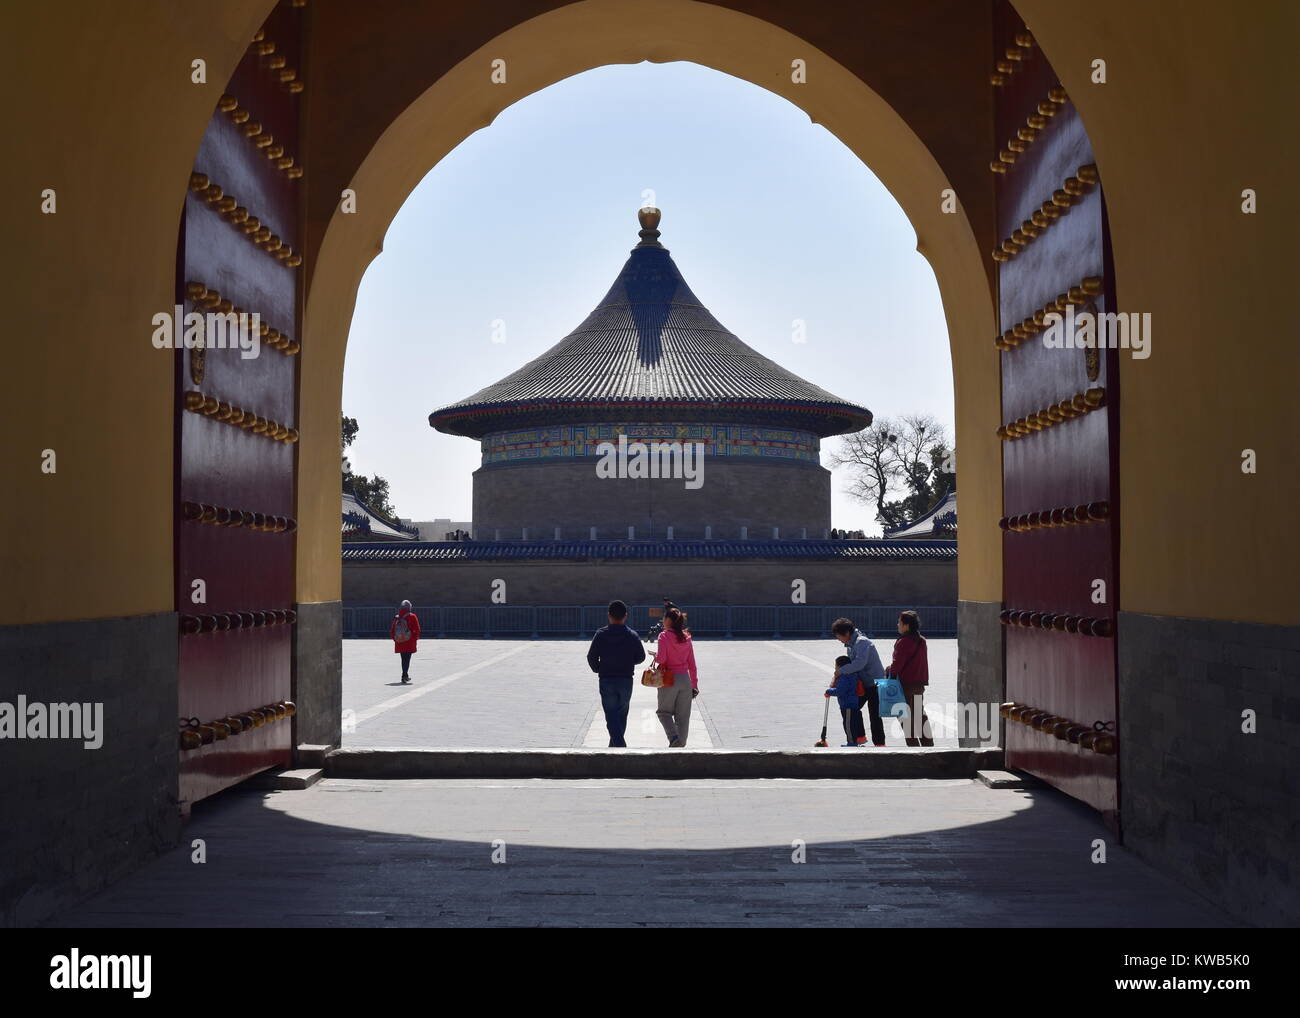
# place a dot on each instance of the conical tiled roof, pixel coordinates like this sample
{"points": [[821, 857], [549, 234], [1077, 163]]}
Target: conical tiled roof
{"points": [[650, 351]]}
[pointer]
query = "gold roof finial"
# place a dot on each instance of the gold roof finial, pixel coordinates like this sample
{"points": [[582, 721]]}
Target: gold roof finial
{"points": [[649, 220]]}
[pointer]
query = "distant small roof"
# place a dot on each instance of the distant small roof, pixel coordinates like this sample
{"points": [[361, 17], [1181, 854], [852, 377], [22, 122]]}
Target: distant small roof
{"points": [[358, 510], [942, 519], [651, 351]]}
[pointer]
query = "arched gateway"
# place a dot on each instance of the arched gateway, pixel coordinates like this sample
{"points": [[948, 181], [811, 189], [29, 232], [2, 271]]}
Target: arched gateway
{"points": [[1197, 621]]}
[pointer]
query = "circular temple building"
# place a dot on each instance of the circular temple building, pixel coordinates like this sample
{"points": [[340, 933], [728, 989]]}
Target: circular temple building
{"points": [[651, 421]]}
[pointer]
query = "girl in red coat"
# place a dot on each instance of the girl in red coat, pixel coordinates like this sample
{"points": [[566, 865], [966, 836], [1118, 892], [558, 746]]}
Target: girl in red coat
{"points": [[911, 667], [405, 632]]}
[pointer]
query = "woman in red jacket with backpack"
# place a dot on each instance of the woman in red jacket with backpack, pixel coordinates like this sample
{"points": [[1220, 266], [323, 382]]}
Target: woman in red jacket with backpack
{"points": [[405, 632], [911, 667]]}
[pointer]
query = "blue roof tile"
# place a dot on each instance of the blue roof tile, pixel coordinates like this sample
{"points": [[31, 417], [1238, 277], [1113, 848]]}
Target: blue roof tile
{"points": [[470, 551], [651, 351]]}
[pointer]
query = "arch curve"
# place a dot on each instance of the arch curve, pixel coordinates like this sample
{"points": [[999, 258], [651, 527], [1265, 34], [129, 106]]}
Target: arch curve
{"points": [[578, 37]]}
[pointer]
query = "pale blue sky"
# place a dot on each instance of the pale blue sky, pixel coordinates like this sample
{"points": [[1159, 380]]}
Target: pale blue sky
{"points": [[769, 217]]}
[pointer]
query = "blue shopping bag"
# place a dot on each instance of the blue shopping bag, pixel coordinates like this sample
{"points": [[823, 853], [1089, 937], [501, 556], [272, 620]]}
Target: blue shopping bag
{"points": [[893, 704]]}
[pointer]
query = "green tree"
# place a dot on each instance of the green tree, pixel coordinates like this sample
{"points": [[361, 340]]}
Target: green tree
{"points": [[372, 492]]}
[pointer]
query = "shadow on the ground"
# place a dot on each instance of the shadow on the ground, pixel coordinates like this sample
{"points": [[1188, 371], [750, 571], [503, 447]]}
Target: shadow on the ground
{"points": [[268, 867]]}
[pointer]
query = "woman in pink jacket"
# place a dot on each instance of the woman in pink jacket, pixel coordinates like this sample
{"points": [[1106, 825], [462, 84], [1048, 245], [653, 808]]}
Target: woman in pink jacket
{"points": [[676, 656]]}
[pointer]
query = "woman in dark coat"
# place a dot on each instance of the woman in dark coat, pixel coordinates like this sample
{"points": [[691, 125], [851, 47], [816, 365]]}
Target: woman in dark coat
{"points": [[911, 667]]}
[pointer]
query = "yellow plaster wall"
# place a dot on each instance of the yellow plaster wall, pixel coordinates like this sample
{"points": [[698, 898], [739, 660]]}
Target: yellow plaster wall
{"points": [[1200, 103], [1198, 106], [100, 108]]}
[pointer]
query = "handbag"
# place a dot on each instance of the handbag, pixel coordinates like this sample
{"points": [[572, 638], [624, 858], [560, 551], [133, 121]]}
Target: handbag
{"points": [[656, 675], [893, 704]]}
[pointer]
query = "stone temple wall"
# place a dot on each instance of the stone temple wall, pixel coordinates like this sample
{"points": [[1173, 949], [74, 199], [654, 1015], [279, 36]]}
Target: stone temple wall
{"points": [[698, 581], [738, 498]]}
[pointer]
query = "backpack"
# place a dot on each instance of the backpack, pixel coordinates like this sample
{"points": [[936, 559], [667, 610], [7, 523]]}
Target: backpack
{"points": [[402, 632]]}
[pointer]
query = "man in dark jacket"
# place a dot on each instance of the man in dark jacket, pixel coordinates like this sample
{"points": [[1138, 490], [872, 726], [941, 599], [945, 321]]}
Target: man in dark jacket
{"points": [[614, 654]]}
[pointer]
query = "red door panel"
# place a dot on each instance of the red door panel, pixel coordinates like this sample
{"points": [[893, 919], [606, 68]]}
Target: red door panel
{"points": [[235, 453], [1059, 420]]}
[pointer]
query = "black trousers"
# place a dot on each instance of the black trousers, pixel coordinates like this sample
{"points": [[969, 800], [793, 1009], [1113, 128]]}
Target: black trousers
{"points": [[916, 726], [853, 729], [872, 703], [406, 661]]}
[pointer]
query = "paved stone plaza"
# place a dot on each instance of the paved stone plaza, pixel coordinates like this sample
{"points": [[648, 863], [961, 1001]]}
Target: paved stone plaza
{"points": [[613, 852], [754, 694], [646, 853]]}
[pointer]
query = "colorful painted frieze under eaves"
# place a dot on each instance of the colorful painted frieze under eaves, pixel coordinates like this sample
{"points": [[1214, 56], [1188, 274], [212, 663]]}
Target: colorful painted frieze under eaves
{"points": [[572, 441]]}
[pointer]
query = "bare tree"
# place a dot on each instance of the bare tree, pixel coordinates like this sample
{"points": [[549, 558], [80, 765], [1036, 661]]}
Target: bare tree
{"points": [[901, 456], [917, 437], [872, 458]]}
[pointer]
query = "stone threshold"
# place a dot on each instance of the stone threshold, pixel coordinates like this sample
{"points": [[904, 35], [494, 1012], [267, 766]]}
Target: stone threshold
{"points": [[288, 779], [659, 763]]}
